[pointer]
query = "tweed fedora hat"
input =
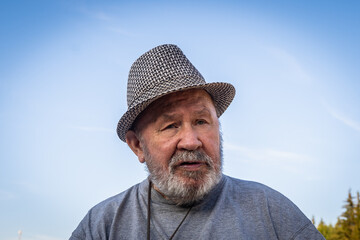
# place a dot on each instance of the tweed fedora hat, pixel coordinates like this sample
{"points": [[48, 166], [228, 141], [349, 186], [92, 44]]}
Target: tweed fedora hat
{"points": [[163, 70]]}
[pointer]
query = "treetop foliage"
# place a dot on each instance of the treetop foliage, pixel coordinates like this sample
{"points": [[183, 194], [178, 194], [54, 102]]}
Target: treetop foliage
{"points": [[347, 226]]}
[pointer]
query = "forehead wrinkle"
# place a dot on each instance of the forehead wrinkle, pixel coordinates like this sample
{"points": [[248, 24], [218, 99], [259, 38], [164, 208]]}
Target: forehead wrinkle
{"points": [[167, 104], [172, 116], [204, 111], [188, 101], [168, 116], [186, 95]]}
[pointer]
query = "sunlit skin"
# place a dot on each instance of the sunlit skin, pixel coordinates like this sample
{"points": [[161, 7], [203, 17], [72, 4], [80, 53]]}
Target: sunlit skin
{"points": [[179, 121]]}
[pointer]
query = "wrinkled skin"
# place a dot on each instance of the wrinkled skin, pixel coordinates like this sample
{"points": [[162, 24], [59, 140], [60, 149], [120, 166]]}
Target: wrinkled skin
{"points": [[178, 138]]}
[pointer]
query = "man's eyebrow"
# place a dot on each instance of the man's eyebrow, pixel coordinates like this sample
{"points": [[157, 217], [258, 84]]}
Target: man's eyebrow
{"points": [[171, 116], [168, 116], [203, 111]]}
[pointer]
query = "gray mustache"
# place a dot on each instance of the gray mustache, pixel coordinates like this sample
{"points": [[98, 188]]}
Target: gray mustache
{"points": [[190, 156]]}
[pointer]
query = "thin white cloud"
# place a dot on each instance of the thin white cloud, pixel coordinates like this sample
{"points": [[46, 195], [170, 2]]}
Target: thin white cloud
{"points": [[28, 186], [93, 129], [99, 15], [276, 160], [267, 155], [120, 31], [26, 236], [109, 20], [290, 65], [4, 195], [343, 118], [102, 16]]}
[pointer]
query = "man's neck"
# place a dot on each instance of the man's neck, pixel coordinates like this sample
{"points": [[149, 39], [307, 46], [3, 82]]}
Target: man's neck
{"points": [[158, 190]]}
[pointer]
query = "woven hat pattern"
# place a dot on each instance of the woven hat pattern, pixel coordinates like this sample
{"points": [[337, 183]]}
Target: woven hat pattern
{"points": [[163, 70], [158, 68]]}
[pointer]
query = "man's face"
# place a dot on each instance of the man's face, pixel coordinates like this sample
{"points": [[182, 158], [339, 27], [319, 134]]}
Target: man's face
{"points": [[180, 139]]}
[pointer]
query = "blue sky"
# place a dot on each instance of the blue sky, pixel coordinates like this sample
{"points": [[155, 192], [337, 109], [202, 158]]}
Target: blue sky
{"points": [[294, 124]]}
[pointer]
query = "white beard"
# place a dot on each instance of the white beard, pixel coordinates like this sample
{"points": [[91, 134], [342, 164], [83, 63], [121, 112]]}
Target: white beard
{"points": [[174, 187]]}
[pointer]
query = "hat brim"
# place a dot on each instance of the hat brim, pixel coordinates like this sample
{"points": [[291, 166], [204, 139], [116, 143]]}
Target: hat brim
{"points": [[221, 93]]}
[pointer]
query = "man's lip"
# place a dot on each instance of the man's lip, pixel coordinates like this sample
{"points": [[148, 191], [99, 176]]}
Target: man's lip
{"points": [[191, 165]]}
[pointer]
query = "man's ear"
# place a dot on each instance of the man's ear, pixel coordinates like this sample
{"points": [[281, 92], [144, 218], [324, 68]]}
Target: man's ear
{"points": [[134, 143]]}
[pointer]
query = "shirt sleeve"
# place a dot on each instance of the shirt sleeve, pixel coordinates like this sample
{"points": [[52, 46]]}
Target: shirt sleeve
{"points": [[308, 232], [82, 232], [289, 221]]}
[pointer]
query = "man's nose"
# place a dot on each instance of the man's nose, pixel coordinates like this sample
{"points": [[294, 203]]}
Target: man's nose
{"points": [[189, 139]]}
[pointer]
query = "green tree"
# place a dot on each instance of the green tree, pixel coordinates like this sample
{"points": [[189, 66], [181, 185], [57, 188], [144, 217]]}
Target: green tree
{"points": [[349, 220], [356, 230], [327, 231], [347, 226]]}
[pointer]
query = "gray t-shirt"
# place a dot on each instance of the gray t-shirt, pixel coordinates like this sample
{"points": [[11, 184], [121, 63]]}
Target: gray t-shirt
{"points": [[234, 209]]}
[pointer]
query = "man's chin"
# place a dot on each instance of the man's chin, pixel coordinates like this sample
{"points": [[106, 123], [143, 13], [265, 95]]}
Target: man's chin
{"points": [[190, 189], [192, 183], [191, 176]]}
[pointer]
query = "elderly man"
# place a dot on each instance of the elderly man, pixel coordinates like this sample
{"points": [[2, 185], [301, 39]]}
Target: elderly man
{"points": [[172, 125]]}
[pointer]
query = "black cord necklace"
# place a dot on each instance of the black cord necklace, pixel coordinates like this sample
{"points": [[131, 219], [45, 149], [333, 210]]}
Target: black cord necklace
{"points": [[149, 216]]}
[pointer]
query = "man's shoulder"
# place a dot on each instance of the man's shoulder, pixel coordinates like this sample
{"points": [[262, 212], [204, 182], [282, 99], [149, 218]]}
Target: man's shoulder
{"points": [[286, 218], [99, 218], [249, 187], [115, 202], [255, 192]]}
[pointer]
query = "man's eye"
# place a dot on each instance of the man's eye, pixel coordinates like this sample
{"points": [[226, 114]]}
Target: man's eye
{"points": [[170, 126], [201, 122]]}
